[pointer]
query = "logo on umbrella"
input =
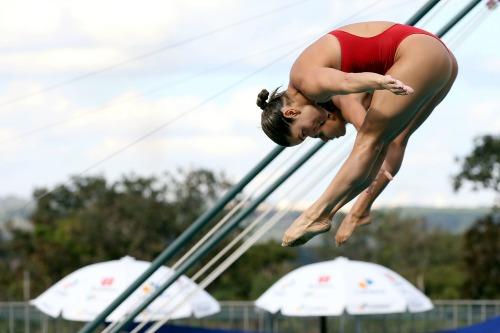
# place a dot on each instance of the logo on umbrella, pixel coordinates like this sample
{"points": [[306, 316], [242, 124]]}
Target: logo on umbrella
{"points": [[107, 281], [390, 277], [69, 284], [324, 279], [365, 283], [149, 286]]}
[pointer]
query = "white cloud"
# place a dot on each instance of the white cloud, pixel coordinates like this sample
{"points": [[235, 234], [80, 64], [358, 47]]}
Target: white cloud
{"points": [[61, 60], [294, 205], [238, 111], [486, 113], [26, 19], [132, 23], [7, 149], [33, 108], [5, 133], [403, 198], [133, 112], [221, 146], [491, 64], [124, 22], [130, 111], [17, 88]]}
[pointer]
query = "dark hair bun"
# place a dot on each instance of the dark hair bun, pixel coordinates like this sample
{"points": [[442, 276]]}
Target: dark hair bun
{"points": [[262, 99]]}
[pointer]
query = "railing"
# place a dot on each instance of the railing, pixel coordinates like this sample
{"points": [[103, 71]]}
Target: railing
{"points": [[19, 317]]}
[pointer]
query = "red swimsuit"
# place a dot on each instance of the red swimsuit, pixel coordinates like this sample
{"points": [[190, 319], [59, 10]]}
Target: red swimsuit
{"points": [[376, 53]]}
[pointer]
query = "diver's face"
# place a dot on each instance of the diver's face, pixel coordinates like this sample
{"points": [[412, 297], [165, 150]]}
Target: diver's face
{"points": [[333, 128], [308, 119]]}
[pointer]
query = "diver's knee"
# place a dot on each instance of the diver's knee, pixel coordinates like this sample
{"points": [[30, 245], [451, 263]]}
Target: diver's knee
{"points": [[400, 142], [370, 143], [378, 127]]}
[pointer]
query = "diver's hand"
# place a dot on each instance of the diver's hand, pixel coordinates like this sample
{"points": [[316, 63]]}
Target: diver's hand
{"points": [[395, 86]]}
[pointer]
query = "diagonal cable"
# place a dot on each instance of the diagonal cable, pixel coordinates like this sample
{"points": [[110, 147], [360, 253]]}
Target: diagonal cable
{"points": [[262, 230], [185, 113], [469, 27], [172, 120], [219, 224], [150, 54], [57, 123], [148, 92], [433, 14], [441, 33]]}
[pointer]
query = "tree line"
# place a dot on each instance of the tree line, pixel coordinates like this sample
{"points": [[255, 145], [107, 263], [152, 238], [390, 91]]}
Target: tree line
{"points": [[91, 219]]}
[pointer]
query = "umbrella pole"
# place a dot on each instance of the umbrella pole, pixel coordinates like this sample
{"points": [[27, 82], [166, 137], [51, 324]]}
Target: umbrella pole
{"points": [[271, 323], [322, 324]]}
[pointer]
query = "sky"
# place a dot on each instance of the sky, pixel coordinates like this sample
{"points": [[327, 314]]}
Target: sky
{"points": [[161, 85]]}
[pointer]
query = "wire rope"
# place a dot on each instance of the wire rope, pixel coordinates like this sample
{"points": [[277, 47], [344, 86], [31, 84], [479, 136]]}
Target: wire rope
{"points": [[223, 220], [260, 232], [469, 27], [110, 107], [199, 105], [151, 53], [433, 14]]}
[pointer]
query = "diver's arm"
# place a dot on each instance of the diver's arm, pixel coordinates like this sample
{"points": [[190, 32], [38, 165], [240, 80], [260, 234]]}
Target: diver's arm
{"points": [[321, 83], [351, 109]]}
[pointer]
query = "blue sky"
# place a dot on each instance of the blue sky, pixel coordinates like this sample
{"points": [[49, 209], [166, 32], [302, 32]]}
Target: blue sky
{"points": [[59, 40]]}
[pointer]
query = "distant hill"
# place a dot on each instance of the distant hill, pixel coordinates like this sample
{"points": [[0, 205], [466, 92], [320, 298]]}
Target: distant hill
{"points": [[454, 220], [15, 210]]}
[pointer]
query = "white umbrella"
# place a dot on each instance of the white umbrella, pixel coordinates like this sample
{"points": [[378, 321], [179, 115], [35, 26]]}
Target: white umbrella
{"points": [[86, 292], [328, 288]]}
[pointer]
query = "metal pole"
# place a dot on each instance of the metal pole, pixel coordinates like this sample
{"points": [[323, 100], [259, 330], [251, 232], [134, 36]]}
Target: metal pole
{"points": [[224, 231], [458, 17], [322, 324], [173, 248], [455, 314], [11, 318], [421, 12], [245, 319], [26, 292]]}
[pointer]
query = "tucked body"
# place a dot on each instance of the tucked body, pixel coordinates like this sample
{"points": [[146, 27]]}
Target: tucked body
{"points": [[386, 94]]}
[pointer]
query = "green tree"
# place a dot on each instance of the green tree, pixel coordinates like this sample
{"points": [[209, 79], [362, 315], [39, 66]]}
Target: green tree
{"points": [[443, 273], [261, 266], [482, 259], [419, 253], [90, 220], [481, 251], [481, 167]]}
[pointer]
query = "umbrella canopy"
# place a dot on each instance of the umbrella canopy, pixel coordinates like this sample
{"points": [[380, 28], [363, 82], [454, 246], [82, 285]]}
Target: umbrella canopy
{"points": [[86, 292], [328, 288]]}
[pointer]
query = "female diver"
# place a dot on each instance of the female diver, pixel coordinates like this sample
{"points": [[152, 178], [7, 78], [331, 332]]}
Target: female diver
{"points": [[355, 75]]}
